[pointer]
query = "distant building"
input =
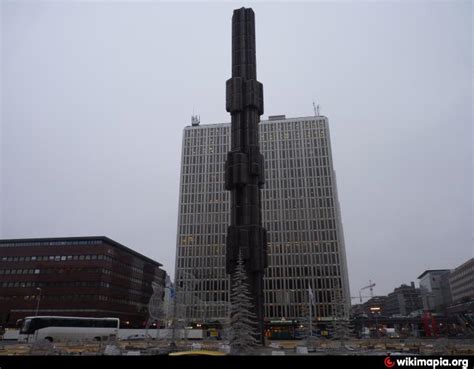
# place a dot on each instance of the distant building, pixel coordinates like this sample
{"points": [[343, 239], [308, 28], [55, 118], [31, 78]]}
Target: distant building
{"points": [[300, 211], [75, 276], [403, 300], [435, 290], [461, 281], [375, 305]]}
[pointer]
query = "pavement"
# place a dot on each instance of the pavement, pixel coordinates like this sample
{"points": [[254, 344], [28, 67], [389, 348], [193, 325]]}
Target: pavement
{"points": [[314, 347]]}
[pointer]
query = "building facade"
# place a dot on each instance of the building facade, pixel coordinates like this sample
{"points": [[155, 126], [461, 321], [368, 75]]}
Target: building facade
{"points": [[300, 210], [461, 281], [435, 290], [403, 301], [75, 276], [374, 304]]}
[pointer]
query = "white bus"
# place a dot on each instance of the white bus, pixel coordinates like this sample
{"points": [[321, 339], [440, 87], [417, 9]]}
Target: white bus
{"points": [[67, 328]]}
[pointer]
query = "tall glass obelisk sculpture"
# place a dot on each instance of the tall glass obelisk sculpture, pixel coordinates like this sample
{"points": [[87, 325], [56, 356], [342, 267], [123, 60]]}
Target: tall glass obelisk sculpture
{"points": [[244, 169]]}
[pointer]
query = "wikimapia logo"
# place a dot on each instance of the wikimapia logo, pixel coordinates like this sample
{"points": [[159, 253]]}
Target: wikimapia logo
{"points": [[388, 362], [433, 363]]}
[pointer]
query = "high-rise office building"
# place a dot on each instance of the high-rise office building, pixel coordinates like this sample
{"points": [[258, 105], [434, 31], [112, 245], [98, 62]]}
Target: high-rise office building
{"points": [[300, 212]]}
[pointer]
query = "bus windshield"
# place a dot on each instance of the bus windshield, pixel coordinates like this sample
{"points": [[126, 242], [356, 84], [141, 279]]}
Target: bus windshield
{"points": [[26, 326]]}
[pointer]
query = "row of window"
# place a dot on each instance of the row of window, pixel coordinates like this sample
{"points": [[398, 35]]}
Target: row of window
{"points": [[202, 262], [61, 284], [277, 231], [51, 243], [277, 311], [55, 258], [291, 188], [296, 123], [210, 160], [461, 273], [68, 270], [200, 250], [204, 309], [270, 125], [297, 181], [137, 269], [280, 135], [278, 266], [207, 239], [310, 277], [284, 249], [299, 261], [77, 297], [305, 210], [62, 258], [221, 135], [293, 123], [52, 271], [197, 154], [321, 296], [216, 213], [293, 140], [299, 163], [206, 312], [32, 284]]}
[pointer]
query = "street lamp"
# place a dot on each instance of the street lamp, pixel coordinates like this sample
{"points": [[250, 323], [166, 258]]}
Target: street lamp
{"points": [[39, 299]]}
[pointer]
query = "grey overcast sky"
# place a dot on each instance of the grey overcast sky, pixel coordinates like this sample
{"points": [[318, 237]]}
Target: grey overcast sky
{"points": [[95, 96]]}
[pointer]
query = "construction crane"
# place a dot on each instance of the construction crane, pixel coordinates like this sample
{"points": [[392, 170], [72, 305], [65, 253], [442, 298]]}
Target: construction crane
{"points": [[370, 286]]}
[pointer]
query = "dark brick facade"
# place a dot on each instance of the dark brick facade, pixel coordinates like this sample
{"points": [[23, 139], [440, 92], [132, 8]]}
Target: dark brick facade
{"points": [[75, 276]]}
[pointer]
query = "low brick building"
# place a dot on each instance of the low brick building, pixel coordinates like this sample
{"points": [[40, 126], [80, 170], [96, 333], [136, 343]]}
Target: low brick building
{"points": [[75, 276]]}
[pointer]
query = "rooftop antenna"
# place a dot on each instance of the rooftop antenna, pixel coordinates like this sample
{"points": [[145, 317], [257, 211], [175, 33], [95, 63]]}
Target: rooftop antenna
{"points": [[316, 109], [195, 119]]}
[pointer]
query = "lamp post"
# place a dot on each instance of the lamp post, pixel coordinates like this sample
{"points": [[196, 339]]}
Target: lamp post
{"points": [[39, 299]]}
